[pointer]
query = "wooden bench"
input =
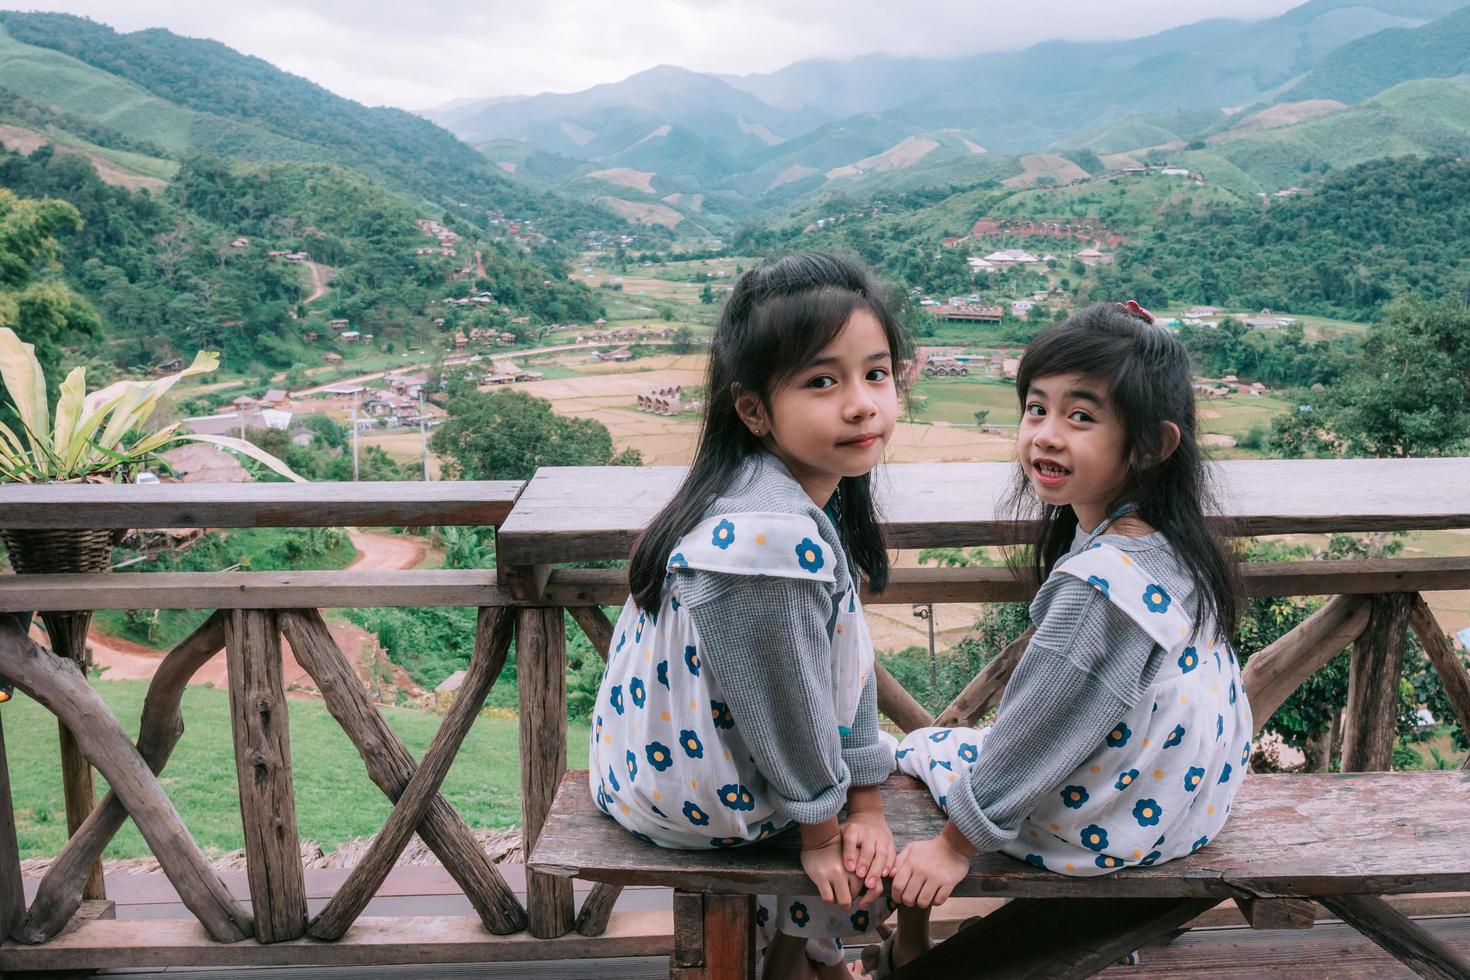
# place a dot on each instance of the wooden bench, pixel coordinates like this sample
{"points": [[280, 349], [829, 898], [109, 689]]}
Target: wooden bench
{"points": [[1343, 840]]}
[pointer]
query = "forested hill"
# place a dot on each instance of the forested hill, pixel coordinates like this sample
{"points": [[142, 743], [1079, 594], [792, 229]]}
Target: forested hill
{"points": [[294, 119], [1367, 234]]}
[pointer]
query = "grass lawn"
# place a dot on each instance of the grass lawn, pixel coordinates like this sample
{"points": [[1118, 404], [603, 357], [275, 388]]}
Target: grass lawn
{"points": [[335, 801]]}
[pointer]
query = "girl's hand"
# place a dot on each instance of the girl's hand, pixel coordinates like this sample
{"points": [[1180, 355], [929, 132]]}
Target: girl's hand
{"points": [[928, 870], [868, 850], [823, 865]]}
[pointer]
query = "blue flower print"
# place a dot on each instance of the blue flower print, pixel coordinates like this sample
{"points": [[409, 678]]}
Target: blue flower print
{"points": [[601, 797], [1219, 725], [767, 829], [691, 744], [939, 736], [678, 561], [1036, 860], [657, 812], [1175, 737], [724, 535], [943, 802], [691, 659], [859, 920], [941, 764], [659, 756], [1156, 599], [1232, 692], [1219, 668], [639, 691], [736, 797], [719, 712], [674, 603], [1094, 838], [1245, 755], [638, 631], [694, 814], [1147, 812], [1109, 863], [1225, 773], [632, 766], [901, 753], [1189, 659], [1198, 844], [1192, 778], [799, 914], [612, 778], [1073, 797], [1101, 584], [1126, 779], [809, 555], [1160, 841], [615, 698], [663, 673], [762, 915], [968, 752], [622, 641], [726, 841], [1118, 737], [1150, 858]]}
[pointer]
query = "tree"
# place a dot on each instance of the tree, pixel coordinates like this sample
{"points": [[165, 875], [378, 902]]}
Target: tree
{"points": [[507, 435], [1408, 395], [707, 295]]}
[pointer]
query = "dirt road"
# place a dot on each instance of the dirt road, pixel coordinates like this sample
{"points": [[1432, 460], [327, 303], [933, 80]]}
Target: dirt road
{"points": [[319, 274], [126, 660]]}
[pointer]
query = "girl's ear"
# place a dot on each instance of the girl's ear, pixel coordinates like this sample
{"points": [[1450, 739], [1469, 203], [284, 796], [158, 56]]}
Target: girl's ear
{"points": [[752, 411], [1168, 440]]}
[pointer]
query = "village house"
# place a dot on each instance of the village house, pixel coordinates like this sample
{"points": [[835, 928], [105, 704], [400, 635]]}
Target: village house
{"points": [[349, 336], [240, 243], [1010, 366], [169, 366], [1091, 256], [298, 256], [1021, 307], [970, 313], [977, 264], [460, 340], [276, 398], [337, 324], [1011, 256], [1200, 311], [310, 336], [1263, 322], [332, 357]]}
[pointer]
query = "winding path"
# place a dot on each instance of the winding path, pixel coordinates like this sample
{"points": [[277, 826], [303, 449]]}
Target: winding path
{"points": [[126, 660]]}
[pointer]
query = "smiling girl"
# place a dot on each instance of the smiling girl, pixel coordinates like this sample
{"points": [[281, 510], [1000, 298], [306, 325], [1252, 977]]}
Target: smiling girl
{"points": [[739, 699], [1124, 732]]}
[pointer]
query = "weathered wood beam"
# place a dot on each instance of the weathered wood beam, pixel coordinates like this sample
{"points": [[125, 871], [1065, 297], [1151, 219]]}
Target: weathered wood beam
{"points": [[67, 634], [1409, 942], [1447, 664], [262, 739], [595, 626], [159, 730], [541, 681], [59, 686], [714, 937], [983, 693], [1272, 674], [12, 894], [492, 643], [1278, 913], [597, 908], [1370, 720], [366, 504], [390, 766], [898, 704]]}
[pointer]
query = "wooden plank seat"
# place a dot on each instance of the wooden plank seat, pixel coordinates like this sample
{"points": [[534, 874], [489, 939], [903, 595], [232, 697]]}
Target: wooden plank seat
{"points": [[1341, 839]]}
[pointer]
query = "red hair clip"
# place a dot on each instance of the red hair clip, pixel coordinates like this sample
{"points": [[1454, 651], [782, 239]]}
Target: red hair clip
{"points": [[1133, 309]]}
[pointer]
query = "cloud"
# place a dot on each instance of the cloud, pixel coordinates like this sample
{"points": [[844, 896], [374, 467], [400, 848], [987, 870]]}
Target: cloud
{"points": [[420, 55]]}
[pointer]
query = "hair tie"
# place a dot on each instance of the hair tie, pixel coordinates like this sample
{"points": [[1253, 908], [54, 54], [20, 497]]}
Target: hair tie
{"points": [[1133, 309]]}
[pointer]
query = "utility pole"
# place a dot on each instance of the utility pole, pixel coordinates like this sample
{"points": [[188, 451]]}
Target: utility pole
{"points": [[355, 396], [925, 610], [423, 435]]}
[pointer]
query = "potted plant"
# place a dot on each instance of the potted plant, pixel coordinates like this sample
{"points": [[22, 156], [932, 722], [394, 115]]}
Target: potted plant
{"points": [[100, 437]]}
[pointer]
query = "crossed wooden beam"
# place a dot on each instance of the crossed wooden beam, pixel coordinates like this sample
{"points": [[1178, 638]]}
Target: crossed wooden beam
{"points": [[262, 757]]}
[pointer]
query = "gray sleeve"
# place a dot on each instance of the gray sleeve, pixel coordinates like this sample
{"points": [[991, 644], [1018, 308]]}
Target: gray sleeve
{"points": [[766, 642], [869, 759], [1087, 665]]}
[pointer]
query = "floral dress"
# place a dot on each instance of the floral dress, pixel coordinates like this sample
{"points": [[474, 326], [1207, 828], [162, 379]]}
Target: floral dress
{"points": [[666, 758], [1161, 783]]}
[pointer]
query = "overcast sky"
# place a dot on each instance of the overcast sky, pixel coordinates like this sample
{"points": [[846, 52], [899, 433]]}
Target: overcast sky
{"points": [[419, 55]]}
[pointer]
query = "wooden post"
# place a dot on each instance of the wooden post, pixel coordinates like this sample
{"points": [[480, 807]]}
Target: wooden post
{"points": [[714, 937], [898, 704], [1409, 942], [12, 896], [263, 764], [541, 681], [67, 632], [1373, 686], [983, 693], [1447, 664]]}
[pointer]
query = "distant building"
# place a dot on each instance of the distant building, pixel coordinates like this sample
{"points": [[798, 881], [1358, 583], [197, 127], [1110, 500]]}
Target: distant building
{"points": [[970, 313]]}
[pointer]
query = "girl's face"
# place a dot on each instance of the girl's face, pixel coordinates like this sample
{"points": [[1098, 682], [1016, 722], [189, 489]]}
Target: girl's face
{"points": [[1071, 444], [834, 417]]}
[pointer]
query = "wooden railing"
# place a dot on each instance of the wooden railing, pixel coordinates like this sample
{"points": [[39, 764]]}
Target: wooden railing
{"points": [[561, 516]]}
